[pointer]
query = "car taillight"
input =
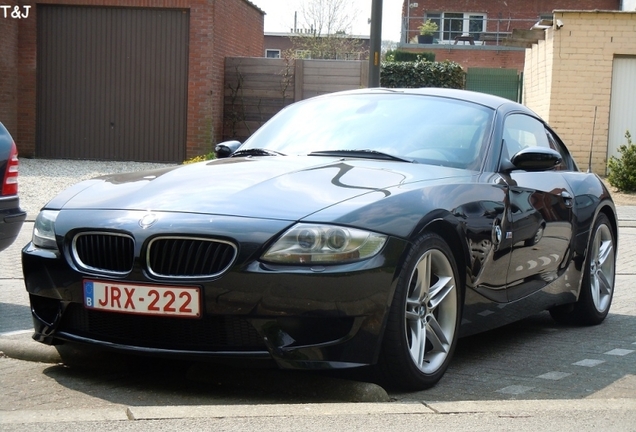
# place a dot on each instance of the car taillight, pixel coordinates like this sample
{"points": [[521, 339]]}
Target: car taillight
{"points": [[10, 184]]}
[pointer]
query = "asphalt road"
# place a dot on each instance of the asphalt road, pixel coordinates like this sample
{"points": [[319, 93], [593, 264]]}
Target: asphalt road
{"points": [[527, 375]]}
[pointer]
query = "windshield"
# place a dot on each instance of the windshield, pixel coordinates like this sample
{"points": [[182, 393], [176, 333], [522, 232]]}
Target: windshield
{"points": [[424, 129]]}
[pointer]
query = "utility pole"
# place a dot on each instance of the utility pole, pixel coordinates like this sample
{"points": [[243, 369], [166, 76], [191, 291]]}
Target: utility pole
{"points": [[375, 43]]}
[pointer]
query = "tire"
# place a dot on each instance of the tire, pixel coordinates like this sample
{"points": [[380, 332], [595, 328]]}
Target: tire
{"points": [[424, 318], [597, 287]]}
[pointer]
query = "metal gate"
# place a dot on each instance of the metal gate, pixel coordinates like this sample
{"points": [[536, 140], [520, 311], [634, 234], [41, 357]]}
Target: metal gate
{"points": [[506, 83], [112, 83]]}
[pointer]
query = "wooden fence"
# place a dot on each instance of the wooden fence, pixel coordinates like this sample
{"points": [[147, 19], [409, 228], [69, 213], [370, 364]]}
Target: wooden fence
{"points": [[257, 88]]}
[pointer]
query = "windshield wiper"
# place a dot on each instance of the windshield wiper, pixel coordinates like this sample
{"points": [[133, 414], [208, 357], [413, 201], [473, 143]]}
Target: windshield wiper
{"points": [[363, 153], [256, 152]]}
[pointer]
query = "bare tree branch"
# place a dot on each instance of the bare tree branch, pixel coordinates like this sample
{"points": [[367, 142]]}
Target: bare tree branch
{"points": [[328, 17], [329, 37]]}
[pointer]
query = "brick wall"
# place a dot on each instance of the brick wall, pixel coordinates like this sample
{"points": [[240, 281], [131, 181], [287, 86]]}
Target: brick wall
{"points": [[233, 38], [217, 29], [481, 58], [9, 70], [570, 73], [537, 83]]}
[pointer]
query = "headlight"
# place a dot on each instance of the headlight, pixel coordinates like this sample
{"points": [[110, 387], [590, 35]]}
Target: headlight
{"points": [[324, 244], [44, 229]]}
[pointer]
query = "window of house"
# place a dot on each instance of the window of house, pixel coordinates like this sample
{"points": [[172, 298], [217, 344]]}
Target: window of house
{"points": [[303, 54], [454, 24], [272, 53]]}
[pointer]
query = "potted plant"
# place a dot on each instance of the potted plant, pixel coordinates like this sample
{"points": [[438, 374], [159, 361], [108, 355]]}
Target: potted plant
{"points": [[427, 31]]}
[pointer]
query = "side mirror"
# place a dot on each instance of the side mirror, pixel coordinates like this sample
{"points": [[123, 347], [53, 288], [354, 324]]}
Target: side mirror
{"points": [[225, 149], [536, 159]]}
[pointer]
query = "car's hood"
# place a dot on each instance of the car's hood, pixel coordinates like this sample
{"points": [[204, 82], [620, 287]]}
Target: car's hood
{"points": [[280, 187]]}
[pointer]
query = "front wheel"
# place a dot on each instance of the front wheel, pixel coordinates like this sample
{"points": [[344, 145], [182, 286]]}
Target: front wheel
{"points": [[424, 318], [597, 287]]}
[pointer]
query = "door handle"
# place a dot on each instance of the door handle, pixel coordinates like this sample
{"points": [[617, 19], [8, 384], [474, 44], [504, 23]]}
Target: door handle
{"points": [[568, 200]]}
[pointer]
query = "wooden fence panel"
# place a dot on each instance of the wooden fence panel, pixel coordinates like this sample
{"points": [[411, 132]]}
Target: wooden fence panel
{"points": [[257, 88]]}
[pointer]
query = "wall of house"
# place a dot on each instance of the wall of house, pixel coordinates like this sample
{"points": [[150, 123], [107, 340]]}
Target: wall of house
{"points": [[238, 32], [9, 70], [479, 58], [502, 16], [217, 29], [514, 9], [280, 42], [537, 83], [285, 43], [580, 57]]}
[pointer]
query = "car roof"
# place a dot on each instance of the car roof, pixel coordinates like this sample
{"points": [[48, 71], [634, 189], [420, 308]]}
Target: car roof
{"points": [[488, 100]]}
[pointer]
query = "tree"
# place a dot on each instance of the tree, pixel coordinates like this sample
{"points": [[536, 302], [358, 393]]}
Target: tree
{"points": [[328, 17], [327, 31]]}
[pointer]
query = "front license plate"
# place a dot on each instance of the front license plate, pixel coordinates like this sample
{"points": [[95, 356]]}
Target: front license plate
{"points": [[143, 299]]}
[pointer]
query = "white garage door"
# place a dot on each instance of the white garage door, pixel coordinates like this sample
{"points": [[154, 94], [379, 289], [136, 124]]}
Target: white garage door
{"points": [[623, 105]]}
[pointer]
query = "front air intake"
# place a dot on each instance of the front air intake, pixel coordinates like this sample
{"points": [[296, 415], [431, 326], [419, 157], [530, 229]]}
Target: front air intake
{"points": [[189, 257], [108, 253]]}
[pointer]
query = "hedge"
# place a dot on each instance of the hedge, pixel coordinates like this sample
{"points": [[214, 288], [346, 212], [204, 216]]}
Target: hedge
{"points": [[445, 74], [406, 56]]}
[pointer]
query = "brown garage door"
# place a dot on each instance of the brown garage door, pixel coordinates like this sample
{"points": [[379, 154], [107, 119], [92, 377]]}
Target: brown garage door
{"points": [[112, 83]]}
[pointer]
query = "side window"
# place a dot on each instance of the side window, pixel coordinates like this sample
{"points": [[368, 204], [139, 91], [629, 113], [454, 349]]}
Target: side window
{"points": [[522, 131], [565, 156]]}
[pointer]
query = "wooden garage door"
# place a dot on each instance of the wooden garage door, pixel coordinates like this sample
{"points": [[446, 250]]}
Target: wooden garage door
{"points": [[112, 83]]}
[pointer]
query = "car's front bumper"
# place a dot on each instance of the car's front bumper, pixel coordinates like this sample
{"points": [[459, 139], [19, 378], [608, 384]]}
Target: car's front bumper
{"points": [[321, 317]]}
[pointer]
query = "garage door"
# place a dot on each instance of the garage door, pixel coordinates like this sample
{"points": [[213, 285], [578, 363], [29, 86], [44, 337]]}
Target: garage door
{"points": [[112, 83], [622, 107]]}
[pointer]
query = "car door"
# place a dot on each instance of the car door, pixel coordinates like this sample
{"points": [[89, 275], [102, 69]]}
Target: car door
{"points": [[541, 213]]}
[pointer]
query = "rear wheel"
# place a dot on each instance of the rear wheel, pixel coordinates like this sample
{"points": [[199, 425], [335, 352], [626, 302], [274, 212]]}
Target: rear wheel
{"points": [[597, 288], [424, 319]]}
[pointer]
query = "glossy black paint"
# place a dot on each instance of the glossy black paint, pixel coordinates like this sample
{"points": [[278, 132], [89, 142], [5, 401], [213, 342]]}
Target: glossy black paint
{"points": [[519, 239], [11, 216]]}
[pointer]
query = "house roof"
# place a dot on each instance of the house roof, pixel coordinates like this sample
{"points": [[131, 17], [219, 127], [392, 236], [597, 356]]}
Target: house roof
{"points": [[255, 7], [291, 34]]}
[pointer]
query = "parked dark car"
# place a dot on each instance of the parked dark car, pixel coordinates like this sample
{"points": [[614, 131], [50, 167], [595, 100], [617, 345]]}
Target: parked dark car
{"points": [[371, 227], [11, 216]]}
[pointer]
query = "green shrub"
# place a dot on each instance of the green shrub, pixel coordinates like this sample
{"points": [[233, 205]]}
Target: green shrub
{"points": [[622, 171], [200, 158], [405, 56], [445, 74]]}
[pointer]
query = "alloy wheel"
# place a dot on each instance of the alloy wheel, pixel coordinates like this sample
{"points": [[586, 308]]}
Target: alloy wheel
{"points": [[431, 311]]}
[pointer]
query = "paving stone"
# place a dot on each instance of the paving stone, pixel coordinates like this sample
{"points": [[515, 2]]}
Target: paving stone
{"points": [[555, 376]]}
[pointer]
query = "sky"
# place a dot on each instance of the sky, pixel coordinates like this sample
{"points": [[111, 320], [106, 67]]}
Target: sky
{"points": [[280, 16]]}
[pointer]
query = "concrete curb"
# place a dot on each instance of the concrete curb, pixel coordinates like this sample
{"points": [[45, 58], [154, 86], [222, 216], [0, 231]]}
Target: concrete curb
{"points": [[22, 347], [132, 413]]}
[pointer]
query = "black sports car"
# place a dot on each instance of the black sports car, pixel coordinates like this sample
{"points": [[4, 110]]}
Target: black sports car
{"points": [[371, 227], [11, 216]]}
